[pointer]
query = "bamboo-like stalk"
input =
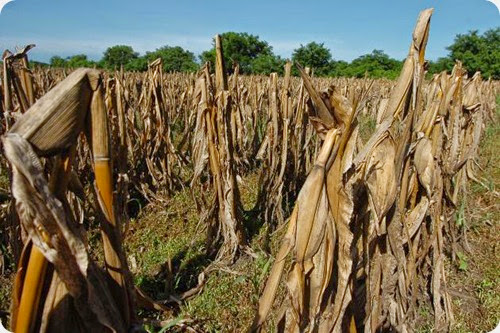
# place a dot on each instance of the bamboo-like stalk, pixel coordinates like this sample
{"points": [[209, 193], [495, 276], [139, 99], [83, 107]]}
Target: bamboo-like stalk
{"points": [[37, 265], [7, 100], [116, 264], [32, 289]]}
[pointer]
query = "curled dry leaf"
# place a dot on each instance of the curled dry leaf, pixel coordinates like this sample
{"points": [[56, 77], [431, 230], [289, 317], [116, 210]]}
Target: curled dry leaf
{"points": [[424, 164]]}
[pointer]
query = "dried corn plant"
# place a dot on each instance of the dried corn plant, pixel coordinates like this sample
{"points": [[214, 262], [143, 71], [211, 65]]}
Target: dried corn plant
{"points": [[286, 149], [58, 286], [18, 80], [276, 152], [213, 144], [367, 228], [312, 233], [157, 150], [18, 96]]}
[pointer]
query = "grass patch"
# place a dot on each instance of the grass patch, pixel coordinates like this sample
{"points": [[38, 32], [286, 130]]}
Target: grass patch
{"points": [[171, 233], [229, 299], [159, 236], [6, 283], [367, 125]]}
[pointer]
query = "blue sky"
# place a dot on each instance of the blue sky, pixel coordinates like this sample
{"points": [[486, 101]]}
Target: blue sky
{"points": [[348, 28]]}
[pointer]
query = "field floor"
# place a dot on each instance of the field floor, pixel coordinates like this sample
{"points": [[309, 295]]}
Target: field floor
{"points": [[166, 253]]}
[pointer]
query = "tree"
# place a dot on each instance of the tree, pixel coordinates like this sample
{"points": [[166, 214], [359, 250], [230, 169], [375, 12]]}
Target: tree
{"points": [[267, 63], [76, 61], [478, 52], [138, 64], [57, 61], [442, 64], [314, 55], [376, 64], [79, 60], [239, 47], [338, 67], [175, 59], [117, 56]]}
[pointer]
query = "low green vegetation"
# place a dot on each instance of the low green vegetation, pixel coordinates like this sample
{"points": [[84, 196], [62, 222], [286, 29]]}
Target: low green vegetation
{"points": [[166, 253]]}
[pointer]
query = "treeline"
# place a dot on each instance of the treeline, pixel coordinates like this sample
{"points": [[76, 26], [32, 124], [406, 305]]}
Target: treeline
{"points": [[255, 56]]}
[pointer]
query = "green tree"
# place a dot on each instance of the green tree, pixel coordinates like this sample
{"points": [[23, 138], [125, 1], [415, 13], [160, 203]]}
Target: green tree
{"points": [[442, 64], [138, 64], [57, 61], [314, 55], [175, 59], [242, 48], [376, 65], [338, 67], [478, 52], [79, 60], [117, 56], [268, 63]]}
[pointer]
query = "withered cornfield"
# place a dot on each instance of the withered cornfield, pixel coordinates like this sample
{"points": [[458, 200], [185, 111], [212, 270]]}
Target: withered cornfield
{"points": [[356, 181]]}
